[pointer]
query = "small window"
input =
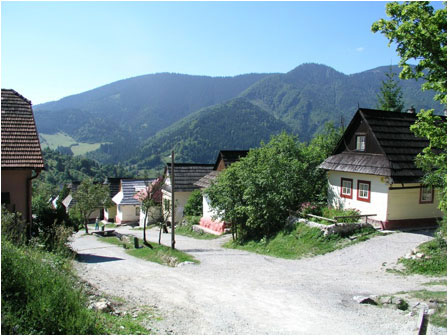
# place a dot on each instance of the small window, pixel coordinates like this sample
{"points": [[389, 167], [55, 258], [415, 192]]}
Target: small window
{"points": [[361, 143], [346, 188], [364, 191], [426, 194], [137, 211]]}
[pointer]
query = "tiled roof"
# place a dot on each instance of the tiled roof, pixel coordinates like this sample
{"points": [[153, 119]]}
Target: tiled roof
{"points": [[129, 187], [185, 175], [208, 179], [19, 138]]}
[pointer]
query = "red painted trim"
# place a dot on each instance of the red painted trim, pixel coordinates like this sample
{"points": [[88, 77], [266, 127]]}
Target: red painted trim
{"points": [[425, 202], [351, 189], [368, 193]]}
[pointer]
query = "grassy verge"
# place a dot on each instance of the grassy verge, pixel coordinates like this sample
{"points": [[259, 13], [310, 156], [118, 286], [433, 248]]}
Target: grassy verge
{"points": [[160, 254], [434, 262], [187, 229], [303, 241], [40, 295]]}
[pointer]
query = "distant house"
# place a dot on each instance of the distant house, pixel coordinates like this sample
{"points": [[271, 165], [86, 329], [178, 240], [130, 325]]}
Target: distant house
{"points": [[373, 169], [209, 218], [21, 154], [114, 188], [185, 175], [69, 202], [128, 208], [155, 212]]}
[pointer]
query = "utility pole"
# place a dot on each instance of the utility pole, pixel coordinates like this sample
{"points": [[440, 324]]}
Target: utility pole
{"points": [[173, 241]]}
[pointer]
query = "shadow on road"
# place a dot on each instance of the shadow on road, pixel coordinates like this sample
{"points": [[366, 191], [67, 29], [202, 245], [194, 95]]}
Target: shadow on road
{"points": [[94, 259]]}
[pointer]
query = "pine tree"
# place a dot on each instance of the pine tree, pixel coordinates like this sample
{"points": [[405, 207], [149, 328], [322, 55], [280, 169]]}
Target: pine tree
{"points": [[390, 97]]}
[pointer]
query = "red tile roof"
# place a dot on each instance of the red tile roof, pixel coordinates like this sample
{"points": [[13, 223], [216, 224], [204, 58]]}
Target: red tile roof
{"points": [[19, 137]]}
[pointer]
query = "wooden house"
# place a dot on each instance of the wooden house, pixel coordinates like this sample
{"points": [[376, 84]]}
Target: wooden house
{"points": [[21, 156], [185, 175], [209, 218], [373, 169]]}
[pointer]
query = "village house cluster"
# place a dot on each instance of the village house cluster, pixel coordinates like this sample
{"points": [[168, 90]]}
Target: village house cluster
{"points": [[372, 169]]}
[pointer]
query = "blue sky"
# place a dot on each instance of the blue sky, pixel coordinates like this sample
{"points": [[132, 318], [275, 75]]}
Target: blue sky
{"points": [[50, 50]]}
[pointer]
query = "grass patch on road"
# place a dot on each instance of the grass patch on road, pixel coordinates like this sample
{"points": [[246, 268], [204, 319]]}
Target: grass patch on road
{"points": [[438, 299], [303, 241], [160, 254]]}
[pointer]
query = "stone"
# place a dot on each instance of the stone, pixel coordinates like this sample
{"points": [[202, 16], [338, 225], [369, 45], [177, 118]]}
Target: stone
{"points": [[419, 255], [102, 306], [185, 263], [385, 300], [431, 311], [364, 300]]}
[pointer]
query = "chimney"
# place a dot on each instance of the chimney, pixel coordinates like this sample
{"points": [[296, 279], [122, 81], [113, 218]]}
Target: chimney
{"points": [[411, 110]]}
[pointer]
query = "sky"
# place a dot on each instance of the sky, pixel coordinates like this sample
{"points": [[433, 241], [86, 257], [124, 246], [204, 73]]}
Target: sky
{"points": [[50, 50]]}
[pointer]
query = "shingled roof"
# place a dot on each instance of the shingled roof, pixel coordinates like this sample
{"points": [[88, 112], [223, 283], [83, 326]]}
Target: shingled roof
{"points": [[208, 179], [19, 138], [397, 147], [229, 157], [129, 187], [185, 175]]}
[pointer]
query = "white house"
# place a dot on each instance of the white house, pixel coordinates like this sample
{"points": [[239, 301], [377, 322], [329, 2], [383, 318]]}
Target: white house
{"points": [[128, 208], [210, 219], [185, 175], [373, 169]]}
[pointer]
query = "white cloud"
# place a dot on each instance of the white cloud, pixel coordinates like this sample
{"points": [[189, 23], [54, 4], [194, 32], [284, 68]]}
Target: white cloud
{"points": [[360, 49]]}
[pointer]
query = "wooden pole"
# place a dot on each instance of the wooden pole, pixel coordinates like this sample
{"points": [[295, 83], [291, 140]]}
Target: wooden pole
{"points": [[173, 241]]}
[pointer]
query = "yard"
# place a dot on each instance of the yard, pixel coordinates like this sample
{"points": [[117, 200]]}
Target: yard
{"points": [[238, 292]]}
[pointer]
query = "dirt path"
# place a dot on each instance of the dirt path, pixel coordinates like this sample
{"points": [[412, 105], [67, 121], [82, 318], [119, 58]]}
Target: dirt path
{"points": [[236, 292]]}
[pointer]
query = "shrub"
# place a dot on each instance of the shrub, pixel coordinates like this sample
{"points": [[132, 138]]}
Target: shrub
{"points": [[38, 295], [310, 208], [13, 227], [193, 207]]}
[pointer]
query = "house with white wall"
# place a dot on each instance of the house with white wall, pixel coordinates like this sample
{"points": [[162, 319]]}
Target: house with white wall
{"points": [[114, 188], [210, 219], [185, 175], [373, 169], [128, 207]]}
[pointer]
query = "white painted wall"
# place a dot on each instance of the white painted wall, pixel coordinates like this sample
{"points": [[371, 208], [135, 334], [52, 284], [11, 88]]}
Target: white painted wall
{"points": [[153, 215], [405, 204], [378, 194], [207, 211], [126, 213], [180, 198]]}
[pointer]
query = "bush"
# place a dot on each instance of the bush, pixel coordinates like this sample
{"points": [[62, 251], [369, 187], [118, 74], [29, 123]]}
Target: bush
{"points": [[38, 295], [193, 207], [13, 227]]}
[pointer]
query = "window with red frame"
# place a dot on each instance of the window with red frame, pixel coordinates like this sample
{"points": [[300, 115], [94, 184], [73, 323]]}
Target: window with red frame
{"points": [[363, 191], [346, 188]]}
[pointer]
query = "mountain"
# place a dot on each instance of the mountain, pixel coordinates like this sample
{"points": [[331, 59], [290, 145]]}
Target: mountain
{"points": [[312, 94], [236, 124], [141, 119]]}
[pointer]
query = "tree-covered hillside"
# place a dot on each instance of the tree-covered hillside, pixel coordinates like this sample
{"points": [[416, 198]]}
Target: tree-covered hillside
{"points": [[236, 124]]}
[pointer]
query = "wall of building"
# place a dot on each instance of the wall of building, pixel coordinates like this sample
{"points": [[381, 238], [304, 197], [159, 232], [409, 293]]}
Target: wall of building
{"points": [[153, 215], [127, 213], [14, 182], [110, 213], [180, 199], [405, 204], [379, 188]]}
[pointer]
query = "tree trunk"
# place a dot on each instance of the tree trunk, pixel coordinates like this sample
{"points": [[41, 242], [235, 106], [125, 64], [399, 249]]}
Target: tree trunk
{"points": [[85, 226], [160, 232], [144, 227]]}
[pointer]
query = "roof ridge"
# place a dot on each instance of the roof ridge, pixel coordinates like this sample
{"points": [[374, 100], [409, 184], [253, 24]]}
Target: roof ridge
{"points": [[18, 94]]}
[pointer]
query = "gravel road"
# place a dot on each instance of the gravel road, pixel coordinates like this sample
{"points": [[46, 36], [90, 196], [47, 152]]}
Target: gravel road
{"points": [[237, 292]]}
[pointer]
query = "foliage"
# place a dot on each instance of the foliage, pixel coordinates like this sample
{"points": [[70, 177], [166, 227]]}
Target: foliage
{"points": [[257, 193], [38, 295], [13, 227], [302, 241], [390, 97], [329, 212], [193, 207], [309, 208], [90, 196], [433, 264]]}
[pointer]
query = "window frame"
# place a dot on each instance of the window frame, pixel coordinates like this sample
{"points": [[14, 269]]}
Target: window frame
{"points": [[359, 136], [349, 196], [421, 201], [369, 191]]}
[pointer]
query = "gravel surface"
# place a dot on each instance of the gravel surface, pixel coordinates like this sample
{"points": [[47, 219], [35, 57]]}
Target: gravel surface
{"points": [[237, 292]]}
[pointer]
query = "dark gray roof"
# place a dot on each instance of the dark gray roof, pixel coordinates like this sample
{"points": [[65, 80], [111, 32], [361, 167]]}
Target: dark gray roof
{"points": [[114, 185], [207, 180], [229, 157], [398, 147], [186, 174], [129, 187], [19, 138]]}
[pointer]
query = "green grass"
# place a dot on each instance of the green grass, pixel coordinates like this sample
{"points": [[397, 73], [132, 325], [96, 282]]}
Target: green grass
{"points": [[64, 140], [436, 283], [160, 254], [303, 241], [435, 265], [187, 230], [439, 318]]}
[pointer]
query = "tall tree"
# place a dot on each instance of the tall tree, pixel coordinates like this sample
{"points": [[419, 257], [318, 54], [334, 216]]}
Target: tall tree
{"points": [[90, 196], [419, 32], [390, 97]]}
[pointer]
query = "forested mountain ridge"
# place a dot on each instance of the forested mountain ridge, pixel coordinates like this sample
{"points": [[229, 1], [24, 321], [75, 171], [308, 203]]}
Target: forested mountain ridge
{"points": [[236, 124], [143, 118]]}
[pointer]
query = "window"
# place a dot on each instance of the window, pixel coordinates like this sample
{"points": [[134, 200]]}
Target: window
{"points": [[361, 143], [346, 187], [363, 191], [137, 211], [426, 194]]}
